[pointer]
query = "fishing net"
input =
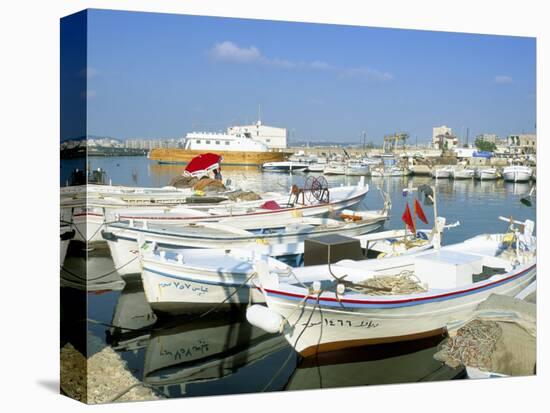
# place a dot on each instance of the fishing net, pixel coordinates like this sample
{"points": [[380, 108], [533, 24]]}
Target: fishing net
{"points": [[244, 196], [500, 337], [472, 346], [403, 283], [183, 181], [208, 184]]}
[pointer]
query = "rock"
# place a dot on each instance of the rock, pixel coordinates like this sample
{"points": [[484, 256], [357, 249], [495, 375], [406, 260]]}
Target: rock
{"points": [[102, 378]]}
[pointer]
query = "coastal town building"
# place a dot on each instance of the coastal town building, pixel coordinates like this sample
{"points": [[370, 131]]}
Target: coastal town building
{"points": [[440, 131], [488, 137], [522, 144]]}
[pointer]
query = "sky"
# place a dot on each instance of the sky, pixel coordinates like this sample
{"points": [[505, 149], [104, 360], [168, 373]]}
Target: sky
{"points": [[162, 75]]}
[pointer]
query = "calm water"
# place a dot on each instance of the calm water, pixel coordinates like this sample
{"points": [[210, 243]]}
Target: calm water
{"points": [[223, 354]]}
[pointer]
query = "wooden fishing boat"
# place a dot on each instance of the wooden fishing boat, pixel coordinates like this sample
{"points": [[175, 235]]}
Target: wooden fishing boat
{"points": [[356, 169], [517, 173], [465, 173], [486, 174], [442, 173], [314, 199], [265, 236], [353, 303], [189, 280]]}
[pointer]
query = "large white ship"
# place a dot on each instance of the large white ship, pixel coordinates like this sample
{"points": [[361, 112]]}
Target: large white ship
{"points": [[216, 142], [238, 147]]}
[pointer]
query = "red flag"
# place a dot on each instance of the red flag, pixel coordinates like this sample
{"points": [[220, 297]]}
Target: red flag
{"points": [[407, 219], [419, 212]]}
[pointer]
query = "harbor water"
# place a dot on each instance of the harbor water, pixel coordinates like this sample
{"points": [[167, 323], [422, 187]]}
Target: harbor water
{"points": [[221, 353]]}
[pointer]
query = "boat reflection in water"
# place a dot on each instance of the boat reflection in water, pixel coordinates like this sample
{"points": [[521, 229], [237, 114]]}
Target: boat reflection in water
{"points": [[375, 364], [219, 354], [89, 269], [133, 318]]}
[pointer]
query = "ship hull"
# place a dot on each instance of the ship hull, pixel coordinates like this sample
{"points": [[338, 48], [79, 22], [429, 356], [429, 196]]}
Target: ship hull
{"points": [[236, 158]]}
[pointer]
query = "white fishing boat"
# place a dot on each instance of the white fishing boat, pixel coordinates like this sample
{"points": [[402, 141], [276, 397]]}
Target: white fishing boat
{"points": [[178, 281], [357, 169], [198, 280], [189, 280], [517, 173], [316, 167], [352, 303], [486, 174], [393, 171], [442, 173], [315, 198], [85, 205], [465, 173], [270, 237], [335, 168], [284, 166]]}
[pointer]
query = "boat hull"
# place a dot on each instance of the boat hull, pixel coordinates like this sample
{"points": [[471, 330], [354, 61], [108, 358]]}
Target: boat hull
{"points": [[243, 215], [441, 174], [177, 291], [463, 174], [486, 175], [238, 158], [517, 176], [339, 325], [123, 242]]}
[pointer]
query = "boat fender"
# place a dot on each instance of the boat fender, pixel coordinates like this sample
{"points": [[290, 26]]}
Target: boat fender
{"points": [[316, 287], [264, 318], [340, 289]]}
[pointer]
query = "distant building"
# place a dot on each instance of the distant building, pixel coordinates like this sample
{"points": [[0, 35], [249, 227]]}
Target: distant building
{"points": [[523, 144], [464, 152], [443, 138], [488, 137], [440, 131], [272, 137]]}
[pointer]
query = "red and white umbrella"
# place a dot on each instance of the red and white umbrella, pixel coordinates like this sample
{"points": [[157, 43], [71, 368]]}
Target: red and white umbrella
{"points": [[202, 164]]}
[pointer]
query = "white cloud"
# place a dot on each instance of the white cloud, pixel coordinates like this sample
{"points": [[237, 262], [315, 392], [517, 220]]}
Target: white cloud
{"points": [[228, 51], [319, 65], [502, 79], [366, 73]]}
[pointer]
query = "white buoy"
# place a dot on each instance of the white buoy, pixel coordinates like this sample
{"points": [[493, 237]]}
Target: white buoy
{"points": [[316, 286], [264, 318]]}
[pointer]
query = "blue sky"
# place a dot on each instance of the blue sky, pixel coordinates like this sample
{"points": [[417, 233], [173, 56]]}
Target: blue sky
{"points": [[162, 75]]}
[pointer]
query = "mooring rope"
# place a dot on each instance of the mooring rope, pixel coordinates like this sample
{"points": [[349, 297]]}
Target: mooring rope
{"points": [[99, 276], [187, 321], [293, 347]]}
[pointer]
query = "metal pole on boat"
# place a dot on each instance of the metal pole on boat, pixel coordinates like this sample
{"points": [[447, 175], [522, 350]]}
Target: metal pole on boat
{"points": [[437, 244]]}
